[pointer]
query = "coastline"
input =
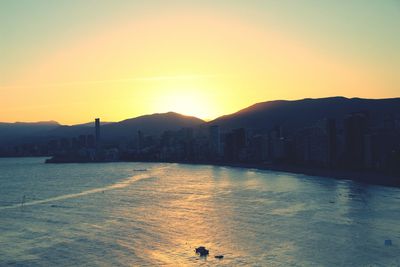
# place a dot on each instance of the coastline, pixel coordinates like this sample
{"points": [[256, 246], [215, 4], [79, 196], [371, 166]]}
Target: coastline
{"points": [[358, 176], [372, 178], [366, 177]]}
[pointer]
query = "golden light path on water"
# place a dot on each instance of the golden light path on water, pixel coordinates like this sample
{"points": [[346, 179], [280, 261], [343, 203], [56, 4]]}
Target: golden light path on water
{"points": [[158, 217]]}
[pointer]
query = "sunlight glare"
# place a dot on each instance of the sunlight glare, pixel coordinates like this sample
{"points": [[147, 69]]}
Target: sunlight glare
{"points": [[186, 102]]}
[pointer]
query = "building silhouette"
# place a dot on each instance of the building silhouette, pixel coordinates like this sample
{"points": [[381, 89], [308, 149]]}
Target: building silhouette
{"points": [[97, 133], [215, 142], [355, 129]]}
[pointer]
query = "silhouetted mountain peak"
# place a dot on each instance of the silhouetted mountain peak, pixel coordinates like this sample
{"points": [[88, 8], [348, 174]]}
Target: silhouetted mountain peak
{"points": [[167, 115], [153, 124]]}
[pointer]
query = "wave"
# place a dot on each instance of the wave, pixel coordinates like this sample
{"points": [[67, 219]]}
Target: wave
{"points": [[118, 185]]}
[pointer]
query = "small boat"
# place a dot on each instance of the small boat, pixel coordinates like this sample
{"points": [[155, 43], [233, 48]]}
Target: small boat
{"points": [[219, 256], [140, 170], [202, 251]]}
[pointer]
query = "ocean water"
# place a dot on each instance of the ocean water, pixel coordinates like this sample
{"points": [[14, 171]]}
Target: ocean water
{"points": [[117, 214]]}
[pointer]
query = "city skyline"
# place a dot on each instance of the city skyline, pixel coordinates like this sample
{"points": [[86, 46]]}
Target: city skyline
{"points": [[200, 132], [346, 135], [72, 61]]}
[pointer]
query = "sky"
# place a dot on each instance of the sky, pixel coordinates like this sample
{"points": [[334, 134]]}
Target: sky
{"points": [[74, 60]]}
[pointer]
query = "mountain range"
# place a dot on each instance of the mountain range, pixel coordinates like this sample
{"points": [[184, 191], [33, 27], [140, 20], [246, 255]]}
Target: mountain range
{"points": [[264, 115]]}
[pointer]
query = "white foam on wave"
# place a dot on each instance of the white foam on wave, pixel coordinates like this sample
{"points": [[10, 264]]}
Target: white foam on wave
{"points": [[118, 185]]}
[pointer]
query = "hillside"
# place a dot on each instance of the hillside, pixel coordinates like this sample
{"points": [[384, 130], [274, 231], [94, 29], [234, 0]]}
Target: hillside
{"points": [[153, 124], [13, 132], [300, 113]]}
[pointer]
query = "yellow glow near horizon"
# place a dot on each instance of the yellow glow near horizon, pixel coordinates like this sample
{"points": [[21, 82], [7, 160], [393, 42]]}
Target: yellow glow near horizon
{"points": [[187, 102], [195, 62]]}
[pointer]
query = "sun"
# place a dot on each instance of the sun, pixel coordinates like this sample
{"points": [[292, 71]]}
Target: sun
{"points": [[186, 102]]}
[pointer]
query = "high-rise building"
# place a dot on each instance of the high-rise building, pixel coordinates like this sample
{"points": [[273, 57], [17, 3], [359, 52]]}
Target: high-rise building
{"points": [[90, 141], [82, 141], [235, 145], [332, 141], [316, 144], [97, 132], [355, 128], [215, 141]]}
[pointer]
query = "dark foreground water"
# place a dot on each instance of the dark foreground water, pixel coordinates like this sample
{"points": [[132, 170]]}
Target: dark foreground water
{"points": [[114, 215]]}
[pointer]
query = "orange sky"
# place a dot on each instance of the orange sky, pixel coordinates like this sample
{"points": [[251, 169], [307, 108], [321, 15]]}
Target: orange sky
{"points": [[202, 60]]}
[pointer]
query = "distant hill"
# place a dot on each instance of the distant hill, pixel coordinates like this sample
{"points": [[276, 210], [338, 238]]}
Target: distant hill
{"points": [[153, 124], [13, 132], [300, 113]]}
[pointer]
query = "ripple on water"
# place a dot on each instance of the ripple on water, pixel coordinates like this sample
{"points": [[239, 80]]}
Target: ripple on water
{"points": [[110, 215]]}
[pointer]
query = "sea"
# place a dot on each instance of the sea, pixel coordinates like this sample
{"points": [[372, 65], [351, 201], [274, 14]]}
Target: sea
{"points": [[156, 214]]}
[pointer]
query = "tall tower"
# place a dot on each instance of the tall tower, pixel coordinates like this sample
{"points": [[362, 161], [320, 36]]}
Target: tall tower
{"points": [[355, 128], [215, 142], [97, 126]]}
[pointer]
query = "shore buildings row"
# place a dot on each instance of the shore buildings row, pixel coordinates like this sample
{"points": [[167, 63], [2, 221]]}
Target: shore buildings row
{"points": [[355, 143]]}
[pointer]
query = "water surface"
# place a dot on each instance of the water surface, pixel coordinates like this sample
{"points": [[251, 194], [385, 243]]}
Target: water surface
{"points": [[114, 215]]}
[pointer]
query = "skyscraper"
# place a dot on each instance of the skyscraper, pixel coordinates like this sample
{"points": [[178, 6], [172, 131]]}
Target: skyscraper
{"points": [[215, 142], [97, 132], [355, 128]]}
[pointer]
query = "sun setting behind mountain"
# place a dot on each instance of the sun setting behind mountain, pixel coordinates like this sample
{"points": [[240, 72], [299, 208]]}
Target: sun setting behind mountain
{"points": [[199, 133], [96, 58]]}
